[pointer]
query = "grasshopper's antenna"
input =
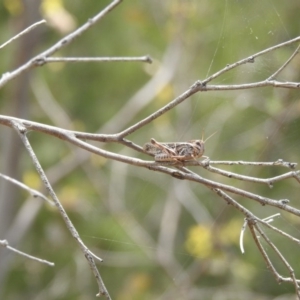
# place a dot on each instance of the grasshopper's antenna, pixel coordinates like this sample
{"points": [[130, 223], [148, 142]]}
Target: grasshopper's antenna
{"points": [[209, 136]]}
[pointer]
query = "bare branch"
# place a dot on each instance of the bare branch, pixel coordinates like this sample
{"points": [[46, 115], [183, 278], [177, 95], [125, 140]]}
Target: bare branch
{"points": [[265, 256], [21, 130], [282, 258], [297, 241], [36, 61], [250, 59], [71, 137], [267, 181], [28, 29], [279, 162], [246, 86], [192, 90], [146, 59], [251, 220], [200, 86], [4, 243]]}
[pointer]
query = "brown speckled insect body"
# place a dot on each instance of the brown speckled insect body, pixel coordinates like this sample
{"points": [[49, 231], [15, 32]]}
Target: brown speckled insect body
{"points": [[177, 151]]}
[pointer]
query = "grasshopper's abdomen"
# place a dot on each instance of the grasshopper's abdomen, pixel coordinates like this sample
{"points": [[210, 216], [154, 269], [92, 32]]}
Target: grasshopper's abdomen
{"points": [[159, 154]]}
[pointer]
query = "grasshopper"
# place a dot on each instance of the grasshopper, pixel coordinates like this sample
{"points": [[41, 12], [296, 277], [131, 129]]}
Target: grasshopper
{"points": [[181, 151], [177, 151]]}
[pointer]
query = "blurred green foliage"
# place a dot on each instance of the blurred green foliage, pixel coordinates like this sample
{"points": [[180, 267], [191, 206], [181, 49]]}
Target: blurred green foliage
{"points": [[120, 210]]}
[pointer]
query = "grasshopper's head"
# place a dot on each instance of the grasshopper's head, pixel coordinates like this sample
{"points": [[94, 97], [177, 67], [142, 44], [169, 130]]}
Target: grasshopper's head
{"points": [[199, 147]]}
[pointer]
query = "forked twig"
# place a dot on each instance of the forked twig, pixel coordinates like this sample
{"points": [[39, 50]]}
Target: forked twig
{"points": [[36, 61], [21, 130], [296, 52], [251, 221], [251, 59], [200, 86], [253, 227]]}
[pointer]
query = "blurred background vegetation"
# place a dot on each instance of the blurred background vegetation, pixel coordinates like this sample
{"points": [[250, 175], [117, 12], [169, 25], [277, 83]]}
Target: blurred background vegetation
{"points": [[159, 238]]}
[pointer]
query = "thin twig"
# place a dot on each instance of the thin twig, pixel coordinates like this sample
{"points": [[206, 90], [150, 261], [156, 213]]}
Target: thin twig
{"points": [[265, 256], [247, 86], [247, 213], [25, 31], [270, 219], [296, 52], [282, 258], [36, 61], [4, 243], [34, 193], [254, 219], [249, 59], [146, 59], [191, 91], [278, 162], [279, 231], [267, 181]]}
